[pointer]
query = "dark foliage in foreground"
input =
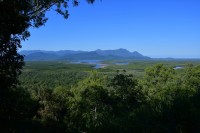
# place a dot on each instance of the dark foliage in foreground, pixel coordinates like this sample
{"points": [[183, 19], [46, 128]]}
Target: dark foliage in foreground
{"points": [[161, 101]]}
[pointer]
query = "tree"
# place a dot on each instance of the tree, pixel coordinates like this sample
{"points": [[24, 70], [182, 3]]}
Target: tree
{"points": [[171, 100], [53, 109], [125, 99], [90, 106], [155, 79], [16, 17]]}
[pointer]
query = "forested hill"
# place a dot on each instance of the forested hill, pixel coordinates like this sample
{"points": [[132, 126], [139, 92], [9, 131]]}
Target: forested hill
{"points": [[39, 55]]}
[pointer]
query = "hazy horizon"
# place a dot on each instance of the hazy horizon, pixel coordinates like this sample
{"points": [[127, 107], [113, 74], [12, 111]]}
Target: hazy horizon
{"points": [[115, 49]]}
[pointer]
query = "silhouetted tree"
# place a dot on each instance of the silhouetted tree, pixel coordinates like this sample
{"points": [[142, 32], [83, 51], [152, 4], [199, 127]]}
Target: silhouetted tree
{"points": [[16, 17]]}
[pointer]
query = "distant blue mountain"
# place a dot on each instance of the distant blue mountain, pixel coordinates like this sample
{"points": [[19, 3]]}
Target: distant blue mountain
{"points": [[69, 55], [61, 52], [120, 53], [41, 56]]}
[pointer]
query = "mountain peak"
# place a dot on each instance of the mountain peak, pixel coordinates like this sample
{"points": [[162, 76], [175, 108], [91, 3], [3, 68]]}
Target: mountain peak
{"points": [[122, 49]]}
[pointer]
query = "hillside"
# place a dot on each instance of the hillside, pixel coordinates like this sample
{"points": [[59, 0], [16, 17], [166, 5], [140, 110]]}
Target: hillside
{"points": [[69, 55]]}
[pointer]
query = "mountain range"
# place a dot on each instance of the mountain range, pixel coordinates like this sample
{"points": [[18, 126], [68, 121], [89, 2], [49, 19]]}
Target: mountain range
{"points": [[70, 55]]}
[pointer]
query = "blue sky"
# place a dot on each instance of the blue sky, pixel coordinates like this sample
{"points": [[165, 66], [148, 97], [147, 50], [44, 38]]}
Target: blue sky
{"points": [[155, 28]]}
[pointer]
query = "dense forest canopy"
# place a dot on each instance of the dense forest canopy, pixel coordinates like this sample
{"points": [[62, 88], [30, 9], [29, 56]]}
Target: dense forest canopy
{"points": [[162, 99]]}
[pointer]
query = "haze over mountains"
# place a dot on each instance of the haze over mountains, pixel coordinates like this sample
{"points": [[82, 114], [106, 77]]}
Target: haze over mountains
{"points": [[70, 55]]}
